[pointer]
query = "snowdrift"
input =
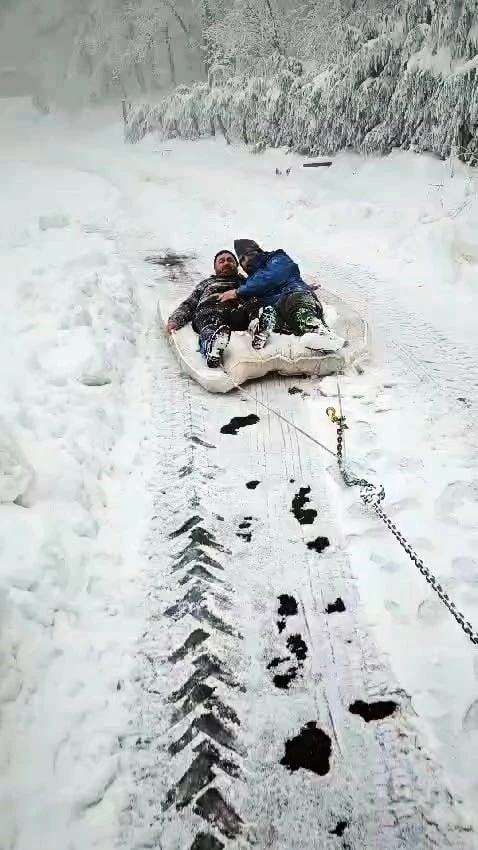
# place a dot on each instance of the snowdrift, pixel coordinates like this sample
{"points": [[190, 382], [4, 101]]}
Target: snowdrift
{"points": [[285, 354]]}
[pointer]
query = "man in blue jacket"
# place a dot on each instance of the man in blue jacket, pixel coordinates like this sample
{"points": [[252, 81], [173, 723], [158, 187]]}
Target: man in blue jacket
{"points": [[274, 280]]}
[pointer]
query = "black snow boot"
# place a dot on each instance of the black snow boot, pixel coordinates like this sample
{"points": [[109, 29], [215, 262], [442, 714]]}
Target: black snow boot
{"points": [[217, 342], [264, 326]]}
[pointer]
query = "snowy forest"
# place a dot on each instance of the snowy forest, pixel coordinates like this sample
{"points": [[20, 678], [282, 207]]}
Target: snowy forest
{"points": [[315, 76]]}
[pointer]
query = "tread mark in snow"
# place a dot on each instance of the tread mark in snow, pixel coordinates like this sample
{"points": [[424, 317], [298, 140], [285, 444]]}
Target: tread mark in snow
{"points": [[210, 726], [195, 639], [170, 259], [373, 710], [288, 606], [203, 614], [198, 571], [186, 526], [199, 775], [204, 695], [209, 665], [339, 829], [195, 553], [193, 598], [251, 485], [212, 807], [196, 746], [206, 666], [319, 544], [203, 537], [310, 750], [206, 841], [336, 607], [198, 442], [305, 516], [239, 422], [209, 741]]}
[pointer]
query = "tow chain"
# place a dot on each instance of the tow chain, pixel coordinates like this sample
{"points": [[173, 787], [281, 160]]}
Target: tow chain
{"points": [[373, 496]]}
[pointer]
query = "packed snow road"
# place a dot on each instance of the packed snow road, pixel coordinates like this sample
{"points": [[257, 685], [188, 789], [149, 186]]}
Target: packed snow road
{"points": [[205, 642]]}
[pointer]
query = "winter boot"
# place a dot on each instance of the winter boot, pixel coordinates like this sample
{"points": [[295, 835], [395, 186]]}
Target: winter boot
{"points": [[308, 322], [264, 326], [315, 334], [215, 345]]}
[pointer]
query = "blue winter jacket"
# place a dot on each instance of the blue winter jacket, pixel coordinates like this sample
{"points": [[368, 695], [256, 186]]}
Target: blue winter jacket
{"points": [[275, 276]]}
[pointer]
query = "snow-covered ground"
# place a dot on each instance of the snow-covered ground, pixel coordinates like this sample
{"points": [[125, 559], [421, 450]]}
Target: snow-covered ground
{"points": [[85, 422]]}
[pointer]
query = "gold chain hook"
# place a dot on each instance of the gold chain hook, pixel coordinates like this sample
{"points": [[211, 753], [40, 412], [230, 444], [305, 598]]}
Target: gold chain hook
{"points": [[337, 420]]}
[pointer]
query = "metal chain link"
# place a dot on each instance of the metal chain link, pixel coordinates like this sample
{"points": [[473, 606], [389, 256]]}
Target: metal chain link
{"points": [[373, 496]]}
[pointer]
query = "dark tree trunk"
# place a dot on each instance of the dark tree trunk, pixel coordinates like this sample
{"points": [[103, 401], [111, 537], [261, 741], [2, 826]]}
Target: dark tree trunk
{"points": [[169, 48], [138, 70], [275, 33]]}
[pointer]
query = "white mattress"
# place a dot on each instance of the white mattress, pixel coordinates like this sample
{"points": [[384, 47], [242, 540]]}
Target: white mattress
{"points": [[285, 354]]}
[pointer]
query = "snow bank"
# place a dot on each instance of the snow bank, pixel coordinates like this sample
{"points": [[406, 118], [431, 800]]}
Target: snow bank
{"points": [[409, 82], [15, 471], [68, 326]]}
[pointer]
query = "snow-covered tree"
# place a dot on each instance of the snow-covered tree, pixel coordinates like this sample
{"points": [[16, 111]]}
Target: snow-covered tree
{"points": [[247, 32], [80, 49], [401, 77], [317, 75]]}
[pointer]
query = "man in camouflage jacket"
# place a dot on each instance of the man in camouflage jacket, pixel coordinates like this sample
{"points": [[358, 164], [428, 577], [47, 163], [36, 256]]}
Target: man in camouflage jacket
{"points": [[214, 320]]}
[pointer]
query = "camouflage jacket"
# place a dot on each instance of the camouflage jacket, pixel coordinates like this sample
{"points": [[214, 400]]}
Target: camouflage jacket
{"points": [[203, 297]]}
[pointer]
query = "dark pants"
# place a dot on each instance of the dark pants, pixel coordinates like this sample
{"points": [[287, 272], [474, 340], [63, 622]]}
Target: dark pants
{"points": [[236, 315], [294, 309]]}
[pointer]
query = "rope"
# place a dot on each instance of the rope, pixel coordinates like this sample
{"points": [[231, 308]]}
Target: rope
{"points": [[264, 405], [370, 494], [279, 415]]}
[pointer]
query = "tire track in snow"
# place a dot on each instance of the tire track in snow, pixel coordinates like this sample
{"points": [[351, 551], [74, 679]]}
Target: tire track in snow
{"points": [[189, 748], [436, 365], [220, 758], [365, 798]]}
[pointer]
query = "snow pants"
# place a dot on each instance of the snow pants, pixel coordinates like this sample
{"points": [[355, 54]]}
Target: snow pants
{"points": [[294, 312]]}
